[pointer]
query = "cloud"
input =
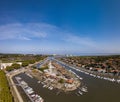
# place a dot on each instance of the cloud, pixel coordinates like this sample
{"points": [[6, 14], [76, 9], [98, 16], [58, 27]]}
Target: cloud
{"points": [[52, 38], [26, 31], [51, 35], [23, 38], [70, 38]]}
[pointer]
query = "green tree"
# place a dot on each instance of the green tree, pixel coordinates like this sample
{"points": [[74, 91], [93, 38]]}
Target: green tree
{"points": [[15, 66], [25, 63]]}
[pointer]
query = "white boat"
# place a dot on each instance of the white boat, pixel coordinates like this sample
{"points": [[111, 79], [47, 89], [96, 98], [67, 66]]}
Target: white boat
{"points": [[33, 95], [19, 78], [80, 92], [23, 83], [118, 81], [44, 85], [29, 91], [37, 98], [50, 87], [38, 81], [84, 89], [29, 75]]}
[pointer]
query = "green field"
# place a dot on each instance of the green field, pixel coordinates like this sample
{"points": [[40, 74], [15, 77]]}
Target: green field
{"points": [[5, 95]]}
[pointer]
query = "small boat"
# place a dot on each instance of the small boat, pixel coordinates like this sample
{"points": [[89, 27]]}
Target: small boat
{"points": [[29, 75], [50, 87], [38, 81], [33, 95], [80, 92], [84, 89], [44, 85], [19, 78]]}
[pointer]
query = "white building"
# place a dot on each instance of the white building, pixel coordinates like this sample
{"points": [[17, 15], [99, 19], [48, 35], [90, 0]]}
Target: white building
{"points": [[4, 65]]}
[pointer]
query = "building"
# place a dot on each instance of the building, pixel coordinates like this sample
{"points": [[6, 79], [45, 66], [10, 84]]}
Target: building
{"points": [[4, 65]]}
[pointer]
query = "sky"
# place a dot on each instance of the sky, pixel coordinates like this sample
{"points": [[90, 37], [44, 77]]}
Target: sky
{"points": [[59, 26]]}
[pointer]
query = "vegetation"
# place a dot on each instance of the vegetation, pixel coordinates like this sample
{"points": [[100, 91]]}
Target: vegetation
{"points": [[61, 81], [12, 67], [21, 58], [25, 59], [5, 95], [25, 63]]}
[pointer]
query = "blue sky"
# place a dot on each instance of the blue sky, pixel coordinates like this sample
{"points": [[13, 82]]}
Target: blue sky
{"points": [[59, 26]]}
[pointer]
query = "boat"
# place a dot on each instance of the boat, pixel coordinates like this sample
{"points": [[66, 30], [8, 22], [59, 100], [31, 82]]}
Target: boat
{"points": [[29, 91], [50, 87], [44, 86], [19, 78], [32, 95], [84, 89], [80, 92], [38, 81], [37, 98], [29, 75]]}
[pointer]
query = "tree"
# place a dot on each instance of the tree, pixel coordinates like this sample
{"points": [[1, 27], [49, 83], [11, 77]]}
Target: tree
{"points": [[25, 63], [9, 68], [15, 66], [12, 67]]}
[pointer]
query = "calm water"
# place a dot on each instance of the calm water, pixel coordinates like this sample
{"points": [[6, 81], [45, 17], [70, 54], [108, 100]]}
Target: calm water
{"points": [[99, 90]]}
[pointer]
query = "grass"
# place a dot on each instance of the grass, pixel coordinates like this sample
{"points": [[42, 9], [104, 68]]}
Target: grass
{"points": [[5, 95]]}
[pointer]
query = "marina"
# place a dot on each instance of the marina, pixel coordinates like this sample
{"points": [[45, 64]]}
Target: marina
{"points": [[29, 91], [92, 88], [95, 89]]}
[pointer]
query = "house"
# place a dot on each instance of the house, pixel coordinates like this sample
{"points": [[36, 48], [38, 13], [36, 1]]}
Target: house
{"points": [[4, 65], [70, 81]]}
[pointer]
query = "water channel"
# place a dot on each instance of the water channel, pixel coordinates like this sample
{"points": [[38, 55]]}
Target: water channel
{"points": [[99, 90]]}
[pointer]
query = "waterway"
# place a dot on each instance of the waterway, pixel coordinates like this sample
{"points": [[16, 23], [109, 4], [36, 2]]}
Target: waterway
{"points": [[99, 90]]}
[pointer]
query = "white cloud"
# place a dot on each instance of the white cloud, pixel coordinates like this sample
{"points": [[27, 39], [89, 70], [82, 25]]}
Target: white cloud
{"points": [[26, 31], [79, 40], [54, 39], [23, 38]]}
